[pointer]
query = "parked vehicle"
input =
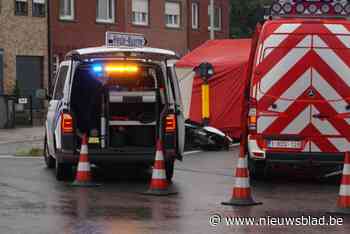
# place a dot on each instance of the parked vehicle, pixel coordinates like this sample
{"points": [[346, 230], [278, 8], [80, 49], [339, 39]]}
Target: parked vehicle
{"points": [[124, 98], [299, 97], [206, 137]]}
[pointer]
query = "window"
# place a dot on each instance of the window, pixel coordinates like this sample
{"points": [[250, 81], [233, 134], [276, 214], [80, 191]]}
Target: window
{"points": [[140, 12], [172, 14], [21, 7], [217, 18], [60, 81], [39, 8], [67, 9], [105, 11], [194, 15]]}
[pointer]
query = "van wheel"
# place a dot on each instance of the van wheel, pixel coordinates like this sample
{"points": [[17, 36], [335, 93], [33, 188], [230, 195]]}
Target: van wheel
{"points": [[63, 171], [169, 169], [49, 160], [256, 169]]}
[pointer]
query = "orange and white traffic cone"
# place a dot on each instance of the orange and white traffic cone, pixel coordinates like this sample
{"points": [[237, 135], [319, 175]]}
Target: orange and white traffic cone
{"points": [[241, 193], [159, 185], [83, 177], [343, 202]]}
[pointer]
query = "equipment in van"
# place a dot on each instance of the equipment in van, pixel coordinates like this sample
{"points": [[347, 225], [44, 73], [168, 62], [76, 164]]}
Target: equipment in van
{"points": [[125, 96]]}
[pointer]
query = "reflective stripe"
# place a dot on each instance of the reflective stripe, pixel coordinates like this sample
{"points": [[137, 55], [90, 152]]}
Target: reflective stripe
{"points": [[159, 156], [242, 162], [264, 122], [84, 166], [241, 182], [336, 63], [287, 28], [340, 29], [344, 190], [284, 65], [84, 149], [298, 123], [158, 174], [324, 126], [328, 92], [315, 148], [294, 91], [342, 144], [346, 169]]}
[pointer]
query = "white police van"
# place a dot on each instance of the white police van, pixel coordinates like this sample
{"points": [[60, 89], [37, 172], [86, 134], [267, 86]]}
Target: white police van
{"points": [[124, 96]]}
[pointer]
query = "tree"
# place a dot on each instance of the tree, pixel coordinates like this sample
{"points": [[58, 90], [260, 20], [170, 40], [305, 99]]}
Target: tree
{"points": [[245, 15]]}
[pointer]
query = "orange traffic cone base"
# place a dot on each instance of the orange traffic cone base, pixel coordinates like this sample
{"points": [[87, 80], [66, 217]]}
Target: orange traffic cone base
{"points": [[241, 202], [84, 184], [161, 192]]}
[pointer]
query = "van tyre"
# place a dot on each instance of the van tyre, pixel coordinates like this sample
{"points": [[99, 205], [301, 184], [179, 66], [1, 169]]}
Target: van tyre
{"points": [[63, 171], [49, 160], [256, 169], [169, 169]]}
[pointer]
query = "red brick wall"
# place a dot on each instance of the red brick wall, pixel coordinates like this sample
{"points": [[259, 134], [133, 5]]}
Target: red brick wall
{"points": [[157, 34], [200, 35], [85, 32]]}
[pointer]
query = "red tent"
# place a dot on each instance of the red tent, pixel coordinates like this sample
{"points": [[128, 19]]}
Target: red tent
{"points": [[230, 59]]}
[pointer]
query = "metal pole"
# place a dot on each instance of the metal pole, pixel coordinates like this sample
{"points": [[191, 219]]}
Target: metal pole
{"points": [[212, 33]]}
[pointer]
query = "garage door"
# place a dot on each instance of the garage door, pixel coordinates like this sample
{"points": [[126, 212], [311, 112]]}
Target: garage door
{"points": [[1, 71], [29, 74]]}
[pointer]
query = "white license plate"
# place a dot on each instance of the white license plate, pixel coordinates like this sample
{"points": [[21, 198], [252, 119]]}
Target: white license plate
{"points": [[284, 144]]}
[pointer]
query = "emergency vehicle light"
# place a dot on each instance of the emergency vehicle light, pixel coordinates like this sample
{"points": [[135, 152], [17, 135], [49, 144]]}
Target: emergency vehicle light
{"points": [[121, 68], [310, 7], [115, 68]]}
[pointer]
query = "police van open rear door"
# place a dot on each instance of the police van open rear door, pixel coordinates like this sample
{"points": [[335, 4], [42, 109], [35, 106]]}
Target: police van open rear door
{"points": [[178, 107]]}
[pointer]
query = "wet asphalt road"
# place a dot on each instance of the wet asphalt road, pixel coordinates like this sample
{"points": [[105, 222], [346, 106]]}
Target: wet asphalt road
{"points": [[32, 201]]}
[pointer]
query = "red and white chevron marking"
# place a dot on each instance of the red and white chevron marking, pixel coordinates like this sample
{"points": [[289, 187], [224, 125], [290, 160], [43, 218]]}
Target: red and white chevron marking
{"points": [[292, 60]]}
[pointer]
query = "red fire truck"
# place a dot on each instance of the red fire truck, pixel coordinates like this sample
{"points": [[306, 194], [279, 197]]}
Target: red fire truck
{"points": [[299, 104]]}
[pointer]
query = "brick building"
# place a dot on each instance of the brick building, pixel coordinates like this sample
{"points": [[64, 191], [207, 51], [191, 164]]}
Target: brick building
{"points": [[180, 25], [23, 46]]}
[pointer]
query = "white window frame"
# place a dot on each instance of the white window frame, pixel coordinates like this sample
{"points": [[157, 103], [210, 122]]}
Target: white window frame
{"points": [[173, 16], [195, 15], [110, 20], [220, 18], [139, 13], [66, 16]]}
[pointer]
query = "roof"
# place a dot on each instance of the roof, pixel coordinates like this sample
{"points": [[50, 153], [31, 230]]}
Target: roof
{"points": [[142, 52], [229, 52]]}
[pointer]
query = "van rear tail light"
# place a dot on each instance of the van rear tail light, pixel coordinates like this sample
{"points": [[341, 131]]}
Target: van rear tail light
{"points": [[252, 115], [67, 123], [170, 123]]}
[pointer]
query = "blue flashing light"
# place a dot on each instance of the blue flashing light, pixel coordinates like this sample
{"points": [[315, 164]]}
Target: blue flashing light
{"points": [[97, 68]]}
